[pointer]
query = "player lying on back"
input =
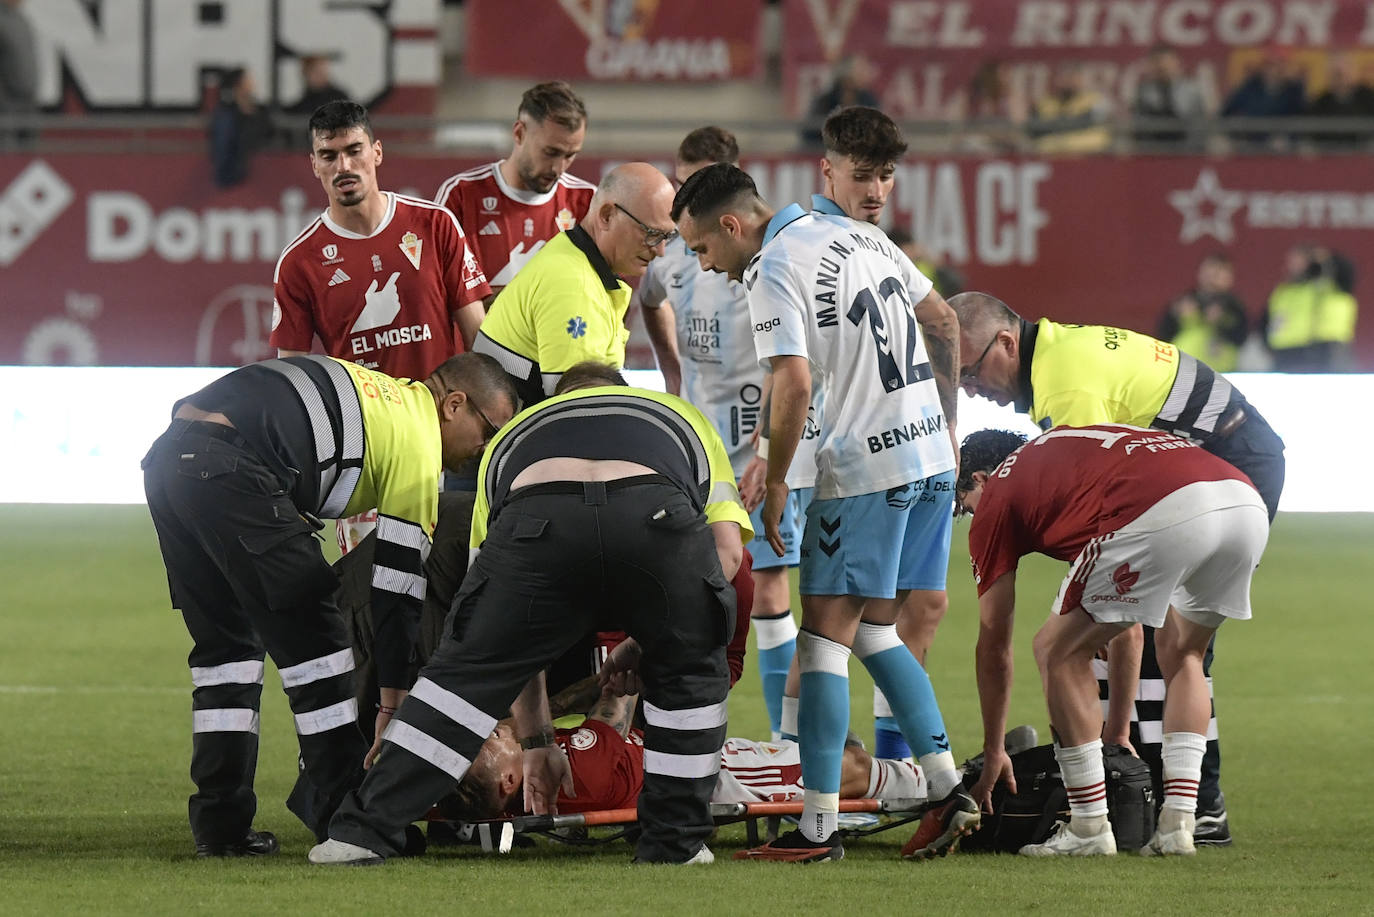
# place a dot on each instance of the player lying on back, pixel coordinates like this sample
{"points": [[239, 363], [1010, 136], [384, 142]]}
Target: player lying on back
{"points": [[606, 756]]}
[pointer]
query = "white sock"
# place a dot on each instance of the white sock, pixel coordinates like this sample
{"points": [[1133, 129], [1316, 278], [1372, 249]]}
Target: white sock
{"points": [[773, 632], [880, 705], [889, 779], [941, 775], [789, 718], [1181, 756], [820, 815], [1085, 781]]}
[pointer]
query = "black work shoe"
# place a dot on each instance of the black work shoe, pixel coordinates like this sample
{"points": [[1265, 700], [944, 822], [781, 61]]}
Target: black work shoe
{"points": [[1212, 829], [253, 844]]}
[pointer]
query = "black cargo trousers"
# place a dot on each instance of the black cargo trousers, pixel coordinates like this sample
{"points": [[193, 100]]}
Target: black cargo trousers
{"points": [[250, 579], [561, 560]]}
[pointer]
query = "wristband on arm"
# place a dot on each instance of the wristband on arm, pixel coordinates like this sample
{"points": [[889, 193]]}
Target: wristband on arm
{"points": [[543, 739]]}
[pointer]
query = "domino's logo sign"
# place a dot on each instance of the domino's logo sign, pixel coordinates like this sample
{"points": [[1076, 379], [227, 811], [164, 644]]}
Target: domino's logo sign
{"points": [[31, 203]]}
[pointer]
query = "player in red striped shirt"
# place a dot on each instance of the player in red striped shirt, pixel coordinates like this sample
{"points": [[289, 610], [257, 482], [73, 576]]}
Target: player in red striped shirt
{"points": [[382, 279], [511, 207], [1149, 520], [606, 757]]}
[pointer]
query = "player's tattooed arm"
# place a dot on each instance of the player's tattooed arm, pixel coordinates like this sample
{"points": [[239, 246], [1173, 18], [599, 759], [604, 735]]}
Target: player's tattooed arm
{"points": [[940, 328], [616, 711], [578, 697]]}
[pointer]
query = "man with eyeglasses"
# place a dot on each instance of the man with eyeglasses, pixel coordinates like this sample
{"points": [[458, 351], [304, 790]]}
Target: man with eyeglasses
{"points": [[236, 488], [1080, 375], [568, 304]]}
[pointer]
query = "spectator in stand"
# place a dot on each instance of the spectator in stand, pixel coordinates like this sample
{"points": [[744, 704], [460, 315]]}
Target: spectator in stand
{"points": [[997, 104], [1274, 89], [854, 75], [1071, 118], [1165, 93], [1309, 323], [239, 128], [1209, 321], [319, 85], [947, 278], [18, 71], [1347, 96]]}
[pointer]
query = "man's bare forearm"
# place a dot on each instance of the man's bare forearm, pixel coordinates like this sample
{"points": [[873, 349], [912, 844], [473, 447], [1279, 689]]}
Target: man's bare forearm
{"points": [[790, 401], [940, 329], [615, 710]]}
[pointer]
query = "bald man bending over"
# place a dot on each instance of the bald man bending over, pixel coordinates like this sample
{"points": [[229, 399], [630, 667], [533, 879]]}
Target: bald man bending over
{"points": [[568, 303]]}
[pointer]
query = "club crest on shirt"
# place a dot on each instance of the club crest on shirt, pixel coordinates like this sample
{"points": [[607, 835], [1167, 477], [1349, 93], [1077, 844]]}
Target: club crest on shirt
{"points": [[583, 739], [411, 245], [331, 254], [489, 204], [565, 220]]}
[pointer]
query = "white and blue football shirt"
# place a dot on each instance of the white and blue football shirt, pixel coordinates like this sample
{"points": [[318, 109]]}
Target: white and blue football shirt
{"points": [[836, 291]]}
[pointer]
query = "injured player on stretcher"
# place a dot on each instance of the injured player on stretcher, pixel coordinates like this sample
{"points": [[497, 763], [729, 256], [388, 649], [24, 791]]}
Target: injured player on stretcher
{"points": [[606, 756]]}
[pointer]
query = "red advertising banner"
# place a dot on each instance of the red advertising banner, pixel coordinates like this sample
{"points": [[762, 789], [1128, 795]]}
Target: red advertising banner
{"points": [[141, 261], [927, 54], [701, 41], [149, 55]]}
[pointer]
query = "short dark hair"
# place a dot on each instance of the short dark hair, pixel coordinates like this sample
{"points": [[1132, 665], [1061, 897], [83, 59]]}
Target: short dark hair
{"points": [[983, 451], [340, 115], [553, 101], [712, 189], [864, 134], [708, 144], [477, 376], [588, 374]]}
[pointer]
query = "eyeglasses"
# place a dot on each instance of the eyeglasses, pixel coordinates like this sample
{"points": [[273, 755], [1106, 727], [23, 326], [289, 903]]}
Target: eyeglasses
{"points": [[971, 374], [491, 428], [653, 238]]}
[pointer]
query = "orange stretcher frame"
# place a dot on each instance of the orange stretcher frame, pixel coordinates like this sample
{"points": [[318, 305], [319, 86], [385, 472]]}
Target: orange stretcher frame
{"points": [[497, 835]]}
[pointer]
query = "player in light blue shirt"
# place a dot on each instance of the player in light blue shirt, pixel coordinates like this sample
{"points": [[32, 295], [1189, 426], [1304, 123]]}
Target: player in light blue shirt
{"points": [[831, 298], [862, 146]]}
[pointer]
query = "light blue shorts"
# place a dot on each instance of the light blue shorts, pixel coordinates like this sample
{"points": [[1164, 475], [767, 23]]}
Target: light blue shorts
{"points": [[790, 526], [875, 545]]}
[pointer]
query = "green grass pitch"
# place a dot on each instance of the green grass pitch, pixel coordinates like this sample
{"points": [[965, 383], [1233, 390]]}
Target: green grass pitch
{"points": [[93, 780]]}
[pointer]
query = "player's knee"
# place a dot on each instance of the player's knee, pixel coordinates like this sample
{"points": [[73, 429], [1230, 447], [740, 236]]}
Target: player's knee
{"points": [[772, 593]]}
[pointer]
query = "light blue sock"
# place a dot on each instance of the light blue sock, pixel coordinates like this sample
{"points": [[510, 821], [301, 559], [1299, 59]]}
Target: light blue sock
{"points": [[776, 639], [823, 715], [906, 685]]}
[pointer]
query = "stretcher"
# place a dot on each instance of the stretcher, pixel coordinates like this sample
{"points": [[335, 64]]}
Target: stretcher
{"points": [[591, 829]]}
